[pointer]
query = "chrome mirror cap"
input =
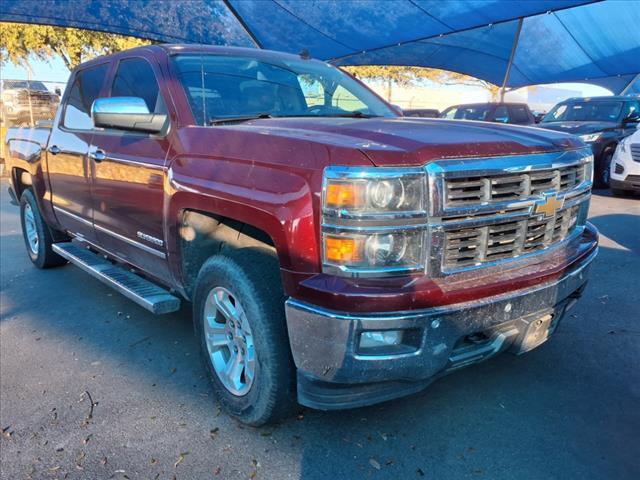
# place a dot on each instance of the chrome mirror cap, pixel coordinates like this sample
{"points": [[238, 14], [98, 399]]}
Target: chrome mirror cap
{"points": [[126, 113]]}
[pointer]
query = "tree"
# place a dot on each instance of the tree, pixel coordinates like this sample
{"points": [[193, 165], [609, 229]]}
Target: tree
{"points": [[409, 76], [19, 41]]}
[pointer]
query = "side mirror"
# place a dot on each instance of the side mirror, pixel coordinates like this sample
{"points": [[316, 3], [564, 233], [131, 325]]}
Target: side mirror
{"points": [[57, 91], [126, 113]]}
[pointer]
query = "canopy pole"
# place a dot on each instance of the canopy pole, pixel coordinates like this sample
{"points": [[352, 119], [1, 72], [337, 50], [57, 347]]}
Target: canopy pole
{"points": [[243, 24], [514, 47], [630, 84]]}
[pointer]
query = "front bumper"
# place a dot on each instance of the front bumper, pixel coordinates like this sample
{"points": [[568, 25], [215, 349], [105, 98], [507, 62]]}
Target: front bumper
{"points": [[334, 374]]}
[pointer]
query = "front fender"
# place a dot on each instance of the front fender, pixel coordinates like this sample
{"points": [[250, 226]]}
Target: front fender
{"points": [[275, 199]]}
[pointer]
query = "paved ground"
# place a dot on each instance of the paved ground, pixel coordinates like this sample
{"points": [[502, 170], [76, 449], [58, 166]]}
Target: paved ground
{"points": [[569, 410]]}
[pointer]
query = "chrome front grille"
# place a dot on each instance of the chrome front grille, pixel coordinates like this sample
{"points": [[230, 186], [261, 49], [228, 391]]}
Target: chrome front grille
{"points": [[501, 240], [635, 152], [472, 189], [483, 211]]}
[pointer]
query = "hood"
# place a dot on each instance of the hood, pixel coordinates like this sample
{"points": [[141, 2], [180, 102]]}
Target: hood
{"points": [[578, 128], [415, 141]]}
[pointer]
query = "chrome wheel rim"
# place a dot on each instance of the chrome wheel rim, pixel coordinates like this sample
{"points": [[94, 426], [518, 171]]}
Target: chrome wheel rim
{"points": [[30, 229], [229, 341]]}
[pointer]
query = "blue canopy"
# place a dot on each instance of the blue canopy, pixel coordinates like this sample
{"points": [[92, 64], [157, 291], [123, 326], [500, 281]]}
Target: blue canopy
{"points": [[557, 41]]}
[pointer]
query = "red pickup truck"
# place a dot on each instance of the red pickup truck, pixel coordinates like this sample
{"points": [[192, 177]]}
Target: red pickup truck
{"points": [[335, 253]]}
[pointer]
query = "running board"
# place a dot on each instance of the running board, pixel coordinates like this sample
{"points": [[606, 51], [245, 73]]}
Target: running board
{"points": [[145, 293]]}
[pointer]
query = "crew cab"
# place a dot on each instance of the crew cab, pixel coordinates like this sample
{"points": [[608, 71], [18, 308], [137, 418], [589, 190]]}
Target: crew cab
{"points": [[602, 122], [334, 252]]}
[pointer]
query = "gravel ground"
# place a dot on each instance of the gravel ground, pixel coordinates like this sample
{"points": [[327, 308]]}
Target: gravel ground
{"points": [[568, 410]]}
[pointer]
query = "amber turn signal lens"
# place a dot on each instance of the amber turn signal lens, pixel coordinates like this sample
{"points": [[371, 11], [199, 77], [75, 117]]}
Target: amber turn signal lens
{"points": [[344, 195], [342, 250]]}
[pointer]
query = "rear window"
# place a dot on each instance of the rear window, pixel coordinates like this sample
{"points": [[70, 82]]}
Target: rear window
{"points": [[85, 89]]}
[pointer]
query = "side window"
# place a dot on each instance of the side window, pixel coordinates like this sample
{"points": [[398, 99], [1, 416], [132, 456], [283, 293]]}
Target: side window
{"points": [[85, 89], [135, 78], [501, 115], [519, 114]]}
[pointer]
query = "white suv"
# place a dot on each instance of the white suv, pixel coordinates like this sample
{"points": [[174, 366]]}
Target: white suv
{"points": [[625, 166]]}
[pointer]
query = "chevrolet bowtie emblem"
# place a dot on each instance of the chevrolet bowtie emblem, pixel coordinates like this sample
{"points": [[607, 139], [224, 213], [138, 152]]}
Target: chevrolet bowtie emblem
{"points": [[549, 205]]}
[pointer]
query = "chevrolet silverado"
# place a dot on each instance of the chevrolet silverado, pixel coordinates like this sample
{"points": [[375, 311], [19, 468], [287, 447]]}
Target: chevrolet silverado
{"points": [[335, 253]]}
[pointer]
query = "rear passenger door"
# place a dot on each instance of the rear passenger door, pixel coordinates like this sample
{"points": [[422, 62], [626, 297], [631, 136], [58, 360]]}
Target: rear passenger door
{"points": [[67, 162], [129, 174]]}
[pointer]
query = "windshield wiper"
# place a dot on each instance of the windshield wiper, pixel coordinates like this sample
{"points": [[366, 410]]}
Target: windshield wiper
{"points": [[246, 118]]}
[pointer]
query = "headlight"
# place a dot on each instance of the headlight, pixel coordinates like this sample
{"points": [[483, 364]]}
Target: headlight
{"points": [[588, 168], [373, 220], [590, 137]]}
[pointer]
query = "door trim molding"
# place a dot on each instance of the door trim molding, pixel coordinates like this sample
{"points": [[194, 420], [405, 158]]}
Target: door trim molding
{"points": [[139, 245]]}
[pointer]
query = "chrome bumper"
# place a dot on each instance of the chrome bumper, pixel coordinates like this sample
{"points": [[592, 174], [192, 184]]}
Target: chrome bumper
{"points": [[333, 374]]}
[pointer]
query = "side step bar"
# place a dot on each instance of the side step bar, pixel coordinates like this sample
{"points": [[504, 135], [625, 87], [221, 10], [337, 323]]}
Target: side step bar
{"points": [[142, 291]]}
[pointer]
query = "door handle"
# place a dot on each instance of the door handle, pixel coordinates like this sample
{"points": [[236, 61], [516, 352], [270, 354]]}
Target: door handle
{"points": [[97, 155], [54, 150]]}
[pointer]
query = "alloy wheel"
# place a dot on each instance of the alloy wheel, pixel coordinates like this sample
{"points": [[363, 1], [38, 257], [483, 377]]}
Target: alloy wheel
{"points": [[30, 229], [229, 341]]}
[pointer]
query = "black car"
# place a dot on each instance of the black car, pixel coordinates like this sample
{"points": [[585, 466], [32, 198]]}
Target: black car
{"points": [[421, 112], [601, 122], [517, 113]]}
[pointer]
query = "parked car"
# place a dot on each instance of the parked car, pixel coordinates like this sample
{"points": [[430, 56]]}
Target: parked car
{"points": [[625, 166], [334, 252], [22, 100], [517, 113], [421, 112], [601, 122]]}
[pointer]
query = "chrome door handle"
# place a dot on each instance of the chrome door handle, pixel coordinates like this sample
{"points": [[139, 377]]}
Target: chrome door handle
{"points": [[54, 150], [97, 155]]}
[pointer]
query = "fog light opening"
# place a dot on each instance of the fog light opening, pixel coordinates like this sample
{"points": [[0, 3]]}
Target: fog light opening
{"points": [[389, 342]]}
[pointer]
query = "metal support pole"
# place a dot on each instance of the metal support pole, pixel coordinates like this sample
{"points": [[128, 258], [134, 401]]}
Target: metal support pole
{"points": [[243, 24], [514, 47], [630, 84]]}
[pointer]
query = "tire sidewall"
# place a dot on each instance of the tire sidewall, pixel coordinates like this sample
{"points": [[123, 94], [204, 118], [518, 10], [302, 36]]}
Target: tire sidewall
{"points": [[27, 197], [225, 271]]}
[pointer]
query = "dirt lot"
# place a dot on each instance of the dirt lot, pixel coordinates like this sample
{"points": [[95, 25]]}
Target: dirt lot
{"points": [[94, 387]]}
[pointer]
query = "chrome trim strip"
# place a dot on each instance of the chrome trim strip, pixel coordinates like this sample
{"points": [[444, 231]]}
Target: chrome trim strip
{"points": [[72, 215], [141, 246], [134, 163]]}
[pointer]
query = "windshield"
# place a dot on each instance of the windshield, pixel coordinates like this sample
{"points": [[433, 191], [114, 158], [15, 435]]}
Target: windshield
{"points": [[221, 86], [11, 84], [585, 112]]}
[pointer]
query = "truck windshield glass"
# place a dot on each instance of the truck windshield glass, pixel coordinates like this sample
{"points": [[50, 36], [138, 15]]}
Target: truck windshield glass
{"points": [[220, 86], [585, 112]]}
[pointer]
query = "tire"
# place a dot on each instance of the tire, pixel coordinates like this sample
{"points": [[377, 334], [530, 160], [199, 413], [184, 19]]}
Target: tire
{"points": [[603, 176], [38, 237], [249, 279]]}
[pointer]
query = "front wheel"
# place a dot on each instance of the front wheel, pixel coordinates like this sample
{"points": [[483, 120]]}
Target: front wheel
{"points": [[37, 235], [239, 320]]}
